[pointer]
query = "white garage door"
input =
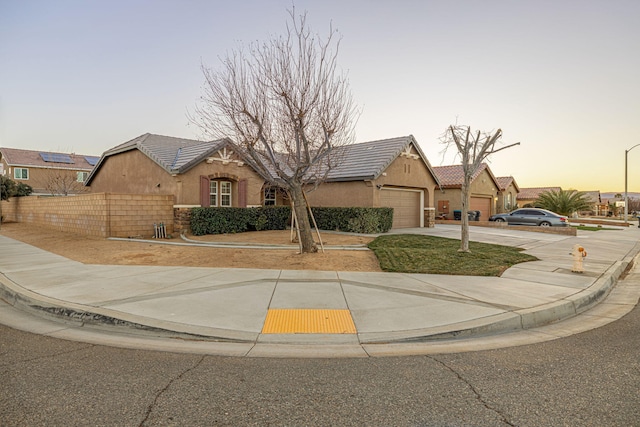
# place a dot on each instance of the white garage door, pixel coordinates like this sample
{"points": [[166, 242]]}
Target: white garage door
{"points": [[406, 207], [483, 205]]}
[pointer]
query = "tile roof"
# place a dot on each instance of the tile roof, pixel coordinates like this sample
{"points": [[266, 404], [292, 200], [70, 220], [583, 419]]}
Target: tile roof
{"points": [[174, 155], [534, 192], [363, 161], [505, 181], [453, 176], [32, 158], [368, 160]]}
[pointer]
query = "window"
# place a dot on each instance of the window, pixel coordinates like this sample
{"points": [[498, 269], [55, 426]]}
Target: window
{"points": [[507, 201], [225, 193], [213, 193], [21, 173], [82, 176], [270, 196], [220, 193]]}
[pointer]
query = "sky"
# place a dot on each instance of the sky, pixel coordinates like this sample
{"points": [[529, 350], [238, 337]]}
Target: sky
{"points": [[562, 77]]}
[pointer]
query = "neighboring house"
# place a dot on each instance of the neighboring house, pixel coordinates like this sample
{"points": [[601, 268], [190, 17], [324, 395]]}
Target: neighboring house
{"points": [[483, 192], [508, 194], [46, 172], [597, 207], [528, 196], [391, 172]]}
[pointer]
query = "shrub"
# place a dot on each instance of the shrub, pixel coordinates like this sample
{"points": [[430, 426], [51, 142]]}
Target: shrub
{"points": [[237, 220], [354, 220]]}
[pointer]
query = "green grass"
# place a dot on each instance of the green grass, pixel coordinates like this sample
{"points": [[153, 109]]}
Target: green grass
{"points": [[410, 253], [591, 228]]}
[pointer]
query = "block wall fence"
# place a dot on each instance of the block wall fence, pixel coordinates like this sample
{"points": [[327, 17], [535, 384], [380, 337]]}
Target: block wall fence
{"points": [[100, 214]]}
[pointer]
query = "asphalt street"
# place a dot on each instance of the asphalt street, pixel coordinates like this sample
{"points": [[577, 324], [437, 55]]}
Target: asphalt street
{"points": [[588, 379]]}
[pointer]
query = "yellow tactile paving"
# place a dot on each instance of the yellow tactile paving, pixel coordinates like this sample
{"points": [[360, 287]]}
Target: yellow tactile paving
{"points": [[308, 321]]}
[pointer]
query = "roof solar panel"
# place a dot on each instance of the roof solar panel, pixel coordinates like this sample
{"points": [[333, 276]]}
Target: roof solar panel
{"points": [[56, 158], [92, 160]]}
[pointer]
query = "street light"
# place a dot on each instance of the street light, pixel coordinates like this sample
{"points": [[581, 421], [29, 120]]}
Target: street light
{"points": [[626, 197]]}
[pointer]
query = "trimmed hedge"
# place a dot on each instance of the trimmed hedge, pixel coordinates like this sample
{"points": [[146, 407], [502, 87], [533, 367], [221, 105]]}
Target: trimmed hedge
{"points": [[354, 220], [237, 220]]}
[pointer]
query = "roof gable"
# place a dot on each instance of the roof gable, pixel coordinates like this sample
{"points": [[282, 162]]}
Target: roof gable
{"points": [[46, 159], [174, 155], [505, 181], [532, 193], [368, 160], [453, 176]]}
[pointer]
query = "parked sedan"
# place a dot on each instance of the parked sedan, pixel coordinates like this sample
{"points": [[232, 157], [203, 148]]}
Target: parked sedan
{"points": [[532, 216]]}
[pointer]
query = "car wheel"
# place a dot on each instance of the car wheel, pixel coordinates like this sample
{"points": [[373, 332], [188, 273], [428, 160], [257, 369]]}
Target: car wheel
{"points": [[545, 224], [499, 219]]}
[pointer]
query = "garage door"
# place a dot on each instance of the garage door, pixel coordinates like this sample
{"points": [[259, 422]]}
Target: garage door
{"points": [[406, 207], [483, 205]]}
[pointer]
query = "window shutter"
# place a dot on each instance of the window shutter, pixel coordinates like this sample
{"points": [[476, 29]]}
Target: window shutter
{"points": [[242, 193], [205, 202]]}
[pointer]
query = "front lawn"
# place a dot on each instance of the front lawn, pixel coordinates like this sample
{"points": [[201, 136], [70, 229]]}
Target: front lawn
{"points": [[410, 253]]}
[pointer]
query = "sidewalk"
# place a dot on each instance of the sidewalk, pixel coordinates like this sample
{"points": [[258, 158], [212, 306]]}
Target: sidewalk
{"points": [[264, 311]]}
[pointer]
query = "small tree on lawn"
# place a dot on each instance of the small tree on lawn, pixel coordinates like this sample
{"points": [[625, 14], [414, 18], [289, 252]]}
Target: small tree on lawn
{"points": [[474, 148], [287, 108]]}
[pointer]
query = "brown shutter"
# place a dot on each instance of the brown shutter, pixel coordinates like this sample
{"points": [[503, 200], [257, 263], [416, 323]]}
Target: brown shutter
{"points": [[242, 193], [205, 200]]}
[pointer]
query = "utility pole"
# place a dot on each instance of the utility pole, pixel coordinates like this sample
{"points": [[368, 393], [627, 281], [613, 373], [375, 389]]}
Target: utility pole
{"points": [[626, 196]]}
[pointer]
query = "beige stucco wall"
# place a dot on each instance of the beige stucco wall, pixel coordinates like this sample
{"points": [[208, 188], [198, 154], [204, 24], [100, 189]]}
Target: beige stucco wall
{"points": [[483, 186], [503, 198], [133, 172]]}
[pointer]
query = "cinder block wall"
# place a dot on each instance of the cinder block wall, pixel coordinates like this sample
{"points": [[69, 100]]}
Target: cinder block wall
{"points": [[133, 215], [100, 214]]}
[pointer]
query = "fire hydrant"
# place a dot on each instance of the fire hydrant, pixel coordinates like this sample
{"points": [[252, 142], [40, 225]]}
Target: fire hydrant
{"points": [[579, 253]]}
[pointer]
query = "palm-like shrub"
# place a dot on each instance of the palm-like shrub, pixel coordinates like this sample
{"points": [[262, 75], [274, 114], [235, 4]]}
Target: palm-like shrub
{"points": [[563, 202]]}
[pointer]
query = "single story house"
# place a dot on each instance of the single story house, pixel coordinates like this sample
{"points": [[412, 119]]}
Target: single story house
{"points": [[391, 172], [48, 173], [528, 196], [483, 192], [508, 194]]}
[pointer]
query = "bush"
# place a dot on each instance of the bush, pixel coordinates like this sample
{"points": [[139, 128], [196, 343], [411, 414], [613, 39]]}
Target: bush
{"points": [[354, 220], [237, 220]]}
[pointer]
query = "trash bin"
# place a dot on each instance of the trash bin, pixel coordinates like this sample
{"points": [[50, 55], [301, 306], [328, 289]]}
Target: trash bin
{"points": [[477, 216], [457, 215]]}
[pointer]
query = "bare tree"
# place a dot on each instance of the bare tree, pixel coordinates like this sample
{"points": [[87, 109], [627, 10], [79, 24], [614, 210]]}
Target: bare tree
{"points": [[474, 149], [63, 183], [287, 107]]}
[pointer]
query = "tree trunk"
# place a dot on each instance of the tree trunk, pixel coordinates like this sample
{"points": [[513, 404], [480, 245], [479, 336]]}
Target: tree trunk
{"points": [[307, 242], [464, 239]]}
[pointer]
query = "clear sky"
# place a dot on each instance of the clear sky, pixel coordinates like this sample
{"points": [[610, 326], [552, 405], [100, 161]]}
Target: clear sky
{"points": [[562, 77]]}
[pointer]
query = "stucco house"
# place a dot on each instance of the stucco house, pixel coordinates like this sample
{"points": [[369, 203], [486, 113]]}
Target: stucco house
{"points": [[508, 194], [529, 195], [391, 172], [483, 192], [48, 173]]}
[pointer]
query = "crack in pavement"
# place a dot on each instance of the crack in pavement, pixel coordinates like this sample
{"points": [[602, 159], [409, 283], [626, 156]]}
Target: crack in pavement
{"points": [[161, 392], [474, 390]]}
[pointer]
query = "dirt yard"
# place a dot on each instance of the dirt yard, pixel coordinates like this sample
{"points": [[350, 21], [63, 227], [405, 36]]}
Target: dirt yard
{"points": [[92, 250]]}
